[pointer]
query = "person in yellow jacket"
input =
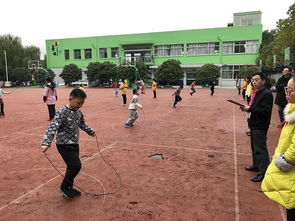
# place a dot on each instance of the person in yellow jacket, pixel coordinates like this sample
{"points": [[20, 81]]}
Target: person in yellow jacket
{"points": [[249, 91], [244, 87], [279, 181], [154, 88], [123, 90]]}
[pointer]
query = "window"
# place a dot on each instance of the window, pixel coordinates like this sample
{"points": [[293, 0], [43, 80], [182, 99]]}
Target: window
{"points": [[67, 54], [77, 53], [230, 72], [248, 19], [169, 50], [103, 53], [240, 47], [203, 48], [252, 46], [88, 53], [115, 52]]}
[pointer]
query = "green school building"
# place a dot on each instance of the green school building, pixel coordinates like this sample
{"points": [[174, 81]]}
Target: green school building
{"points": [[229, 47]]}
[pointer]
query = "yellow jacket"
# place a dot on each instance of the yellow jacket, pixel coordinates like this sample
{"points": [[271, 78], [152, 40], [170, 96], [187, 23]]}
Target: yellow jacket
{"points": [[244, 85], [248, 90], [278, 185], [154, 85], [123, 87]]}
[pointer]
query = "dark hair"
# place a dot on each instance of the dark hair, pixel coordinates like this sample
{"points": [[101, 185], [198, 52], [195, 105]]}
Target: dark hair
{"points": [[78, 93], [181, 86], [49, 80], [134, 91], [290, 69], [262, 75]]}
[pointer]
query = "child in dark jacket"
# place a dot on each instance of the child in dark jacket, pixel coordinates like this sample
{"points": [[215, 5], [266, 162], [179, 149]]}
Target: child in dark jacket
{"points": [[177, 96]]}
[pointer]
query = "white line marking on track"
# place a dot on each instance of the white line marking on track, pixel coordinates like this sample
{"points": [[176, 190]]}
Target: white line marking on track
{"points": [[43, 184], [183, 148], [237, 207]]}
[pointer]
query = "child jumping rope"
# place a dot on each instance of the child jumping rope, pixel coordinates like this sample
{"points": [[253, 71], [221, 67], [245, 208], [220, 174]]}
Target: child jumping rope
{"points": [[66, 124], [177, 96], [193, 90], [132, 109]]}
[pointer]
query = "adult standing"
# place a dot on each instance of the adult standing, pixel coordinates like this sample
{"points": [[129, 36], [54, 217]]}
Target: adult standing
{"points": [[281, 97], [123, 89], [154, 87], [279, 181], [259, 119], [50, 97], [238, 84]]}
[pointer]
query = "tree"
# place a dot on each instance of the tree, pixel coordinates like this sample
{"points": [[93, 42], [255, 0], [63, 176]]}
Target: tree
{"points": [[71, 73], [20, 75], [248, 71], [265, 50], [285, 36], [207, 73], [39, 75], [101, 72], [17, 55], [126, 73], [169, 72], [143, 71]]}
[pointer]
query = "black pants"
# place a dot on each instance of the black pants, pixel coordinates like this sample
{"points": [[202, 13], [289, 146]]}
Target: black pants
{"points": [[259, 149], [244, 93], [2, 106], [70, 155], [239, 91], [155, 94], [193, 91], [124, 98], [290, 214], [281, 113], [177, 99], [248, 99], [212, 91], [51, 110]]}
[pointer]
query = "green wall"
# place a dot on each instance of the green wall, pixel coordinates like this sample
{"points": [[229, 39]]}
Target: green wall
{"points": [[240, 33]]}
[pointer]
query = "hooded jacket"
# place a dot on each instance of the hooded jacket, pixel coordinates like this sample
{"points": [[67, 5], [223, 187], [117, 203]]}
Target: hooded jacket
{"points": [[278, 185]]}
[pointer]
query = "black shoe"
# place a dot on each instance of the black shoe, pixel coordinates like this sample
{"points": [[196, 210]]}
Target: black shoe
{"points": [[248, 133], [251, 168], [67, 193], [75, 192], [131, 125], [257, 178]]}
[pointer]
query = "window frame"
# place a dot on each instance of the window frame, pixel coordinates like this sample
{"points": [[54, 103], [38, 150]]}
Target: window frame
{"points": [[77, 51], [88, 53], [104, 51], [67, 54]]}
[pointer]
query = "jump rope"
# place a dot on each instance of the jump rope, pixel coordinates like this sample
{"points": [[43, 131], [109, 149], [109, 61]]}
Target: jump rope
{"points": [[93, 195]]}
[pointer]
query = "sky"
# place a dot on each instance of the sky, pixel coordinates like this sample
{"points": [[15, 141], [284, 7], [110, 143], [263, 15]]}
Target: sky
{"points": [[35, 21]]}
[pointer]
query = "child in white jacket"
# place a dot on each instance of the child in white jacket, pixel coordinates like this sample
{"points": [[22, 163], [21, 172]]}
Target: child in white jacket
{"points": [[132, 109]]}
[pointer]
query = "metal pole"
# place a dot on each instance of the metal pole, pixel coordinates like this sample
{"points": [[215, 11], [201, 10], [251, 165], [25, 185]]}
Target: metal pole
{"points": [[6, 65]]}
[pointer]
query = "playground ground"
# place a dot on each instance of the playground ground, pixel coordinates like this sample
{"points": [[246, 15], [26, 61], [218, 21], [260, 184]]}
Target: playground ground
{"points": [[201, 177]]}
